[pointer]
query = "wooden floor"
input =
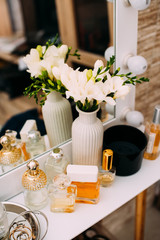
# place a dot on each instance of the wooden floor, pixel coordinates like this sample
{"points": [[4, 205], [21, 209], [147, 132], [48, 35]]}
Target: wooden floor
{"points": [[10, 107]]}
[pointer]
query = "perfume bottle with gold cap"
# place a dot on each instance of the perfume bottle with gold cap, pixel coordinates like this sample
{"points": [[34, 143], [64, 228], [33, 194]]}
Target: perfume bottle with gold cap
{"points": [[55, 164], [10, 154], [107, 171], [34, 182], [62, 194]]}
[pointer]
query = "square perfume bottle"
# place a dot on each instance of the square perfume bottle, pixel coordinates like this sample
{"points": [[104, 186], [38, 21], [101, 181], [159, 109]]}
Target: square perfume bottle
{"points": [[86, 179], [62, 194]]}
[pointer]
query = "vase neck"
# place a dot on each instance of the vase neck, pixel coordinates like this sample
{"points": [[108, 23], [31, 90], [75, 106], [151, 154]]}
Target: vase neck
{"points": [[88, 117], [54, 96]]}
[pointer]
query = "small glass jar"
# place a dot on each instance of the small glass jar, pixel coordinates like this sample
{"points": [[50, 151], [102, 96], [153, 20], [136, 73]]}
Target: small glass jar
{"points": [[34, 181], [35, 144], [10, 154], [3, 222], [55, 164], [62, 194], [107, 172], [86, 179]]}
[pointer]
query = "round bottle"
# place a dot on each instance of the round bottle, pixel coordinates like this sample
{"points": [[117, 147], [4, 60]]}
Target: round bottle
{"points": [[10, 154], [34, 181], [55, 164]]}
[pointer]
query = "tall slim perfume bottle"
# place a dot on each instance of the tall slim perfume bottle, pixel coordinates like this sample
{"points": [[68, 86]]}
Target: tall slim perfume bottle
{"points": [[55, 164], [10, 154], [152, 131], [34, 182], [86, 179], [107, 171], [35, 144], [62, 194]]}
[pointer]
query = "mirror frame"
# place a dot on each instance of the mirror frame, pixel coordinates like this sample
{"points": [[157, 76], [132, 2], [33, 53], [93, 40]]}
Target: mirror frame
{"points": [[125, 25]]}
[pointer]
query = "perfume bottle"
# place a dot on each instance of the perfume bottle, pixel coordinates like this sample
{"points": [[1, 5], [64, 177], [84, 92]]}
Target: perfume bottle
{"points": [[107, 172], [3, 222], [35, 143], [152, 131], [55, 164], [10, 154], [34, 182], [86, 179], [62, 194]]}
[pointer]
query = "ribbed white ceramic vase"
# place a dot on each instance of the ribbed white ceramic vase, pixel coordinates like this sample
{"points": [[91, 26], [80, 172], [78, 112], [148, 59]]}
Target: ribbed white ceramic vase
{"points": [[87, 139], [57, 115]]}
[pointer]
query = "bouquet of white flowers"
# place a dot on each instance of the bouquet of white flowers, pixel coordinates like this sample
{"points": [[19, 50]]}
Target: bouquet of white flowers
{"points": [[49, 72]]}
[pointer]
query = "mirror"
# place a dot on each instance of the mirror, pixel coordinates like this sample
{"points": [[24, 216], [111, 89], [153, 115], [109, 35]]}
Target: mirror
{"points": [[20, 29]]}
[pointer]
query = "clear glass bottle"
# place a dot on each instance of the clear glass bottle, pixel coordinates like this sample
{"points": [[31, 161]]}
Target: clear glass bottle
{"points": [[62, 194], [55, 164], [35, 144], [86, 179], [107, 171], [3, 222], [10, 154], [152, 131], [34, 182]]}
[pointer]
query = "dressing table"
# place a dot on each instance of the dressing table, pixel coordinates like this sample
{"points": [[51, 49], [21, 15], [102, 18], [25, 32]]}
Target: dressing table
{"points": [[65, 226]]}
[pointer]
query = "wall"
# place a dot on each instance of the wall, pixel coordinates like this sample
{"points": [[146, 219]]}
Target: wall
{"points": [[148, 94]]}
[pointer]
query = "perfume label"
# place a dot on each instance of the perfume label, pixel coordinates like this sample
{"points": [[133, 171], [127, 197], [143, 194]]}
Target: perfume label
{"points": [[151, 138]]}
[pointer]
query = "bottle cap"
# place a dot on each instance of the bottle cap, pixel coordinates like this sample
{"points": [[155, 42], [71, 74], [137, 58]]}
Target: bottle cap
{"points": [[34, 178], [57, 154], [34, 136], [156, 116], [82, 173], [107, 159]]}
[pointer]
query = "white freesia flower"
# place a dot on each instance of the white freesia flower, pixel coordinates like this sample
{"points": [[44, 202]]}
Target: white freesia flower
{"points": [[33, 61], [54, 57]]}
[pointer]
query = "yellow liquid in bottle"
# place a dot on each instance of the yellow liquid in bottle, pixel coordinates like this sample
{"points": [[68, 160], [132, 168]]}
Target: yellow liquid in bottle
{"points": [[153, 132], [87, 192]]}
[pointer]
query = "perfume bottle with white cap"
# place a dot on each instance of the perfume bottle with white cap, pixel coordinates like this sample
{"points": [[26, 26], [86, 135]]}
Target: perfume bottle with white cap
{"points": [[85, 177], [55, 164], [152, 131]]}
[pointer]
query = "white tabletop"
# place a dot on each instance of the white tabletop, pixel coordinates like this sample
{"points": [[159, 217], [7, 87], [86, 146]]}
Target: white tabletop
{"points": [[64, 226]]}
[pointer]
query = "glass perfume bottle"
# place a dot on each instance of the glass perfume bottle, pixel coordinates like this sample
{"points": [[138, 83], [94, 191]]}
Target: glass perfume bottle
{"points": [[62, 194], [152, 131], [3, 222], [10, 154], [86, 179], [34, 182], [55, 164], [35, 144], [107, 172]]}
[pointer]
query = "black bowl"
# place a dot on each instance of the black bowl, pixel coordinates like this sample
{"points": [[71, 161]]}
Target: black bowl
{"points": [[128, 144]]}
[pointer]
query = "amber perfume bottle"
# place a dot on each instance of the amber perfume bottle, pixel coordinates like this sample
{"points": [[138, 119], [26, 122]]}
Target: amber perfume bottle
{"points": [[86, 179], [55, 164], [10, 154], [152, 131], [62, 194], [34, 182], [107, 171]]}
